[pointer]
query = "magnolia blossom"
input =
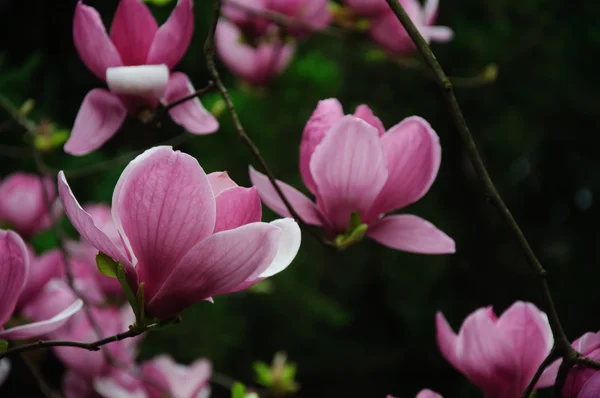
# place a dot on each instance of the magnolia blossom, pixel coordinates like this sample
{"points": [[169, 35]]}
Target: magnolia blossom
{"points": [[172, 379], [308, 15], [255, 64], [42, 269], [117, 383], [184, 235], [498, 355], [14, 270], [351, 164], [135, 62], [424, 394], [23, 202], [581, 382]]}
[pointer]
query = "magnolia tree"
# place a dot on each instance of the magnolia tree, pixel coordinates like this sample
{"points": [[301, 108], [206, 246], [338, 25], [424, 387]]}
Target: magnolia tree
{"points": [[176, 234]]}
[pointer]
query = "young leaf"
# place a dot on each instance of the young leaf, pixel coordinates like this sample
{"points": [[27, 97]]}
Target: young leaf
{"points": [[238, 390], [106, 265], [3, 346], [131, 298]]}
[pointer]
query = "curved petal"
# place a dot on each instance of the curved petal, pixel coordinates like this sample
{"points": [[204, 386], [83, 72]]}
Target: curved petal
{"points": [[75, 385], [430, 11], [428, 394], [87, 228], [236, 207], [173, 38], [14, 268], [271, 59], [108, 387], [365, 113], [100, 116], [301, 204], [437, 33], [447, 341], [237, 56], [190, 114], [41, 269], [289, 244], [591, 389], [92, 42], [220, 181], [216, 265], [4, 370], [410, 233], [163, 204], [43, 327], [389, 33], [548, 378], [133, 31], [528, 329], [183, 381], [349, 169], [325, 115], [413, 155], [144, 81]]}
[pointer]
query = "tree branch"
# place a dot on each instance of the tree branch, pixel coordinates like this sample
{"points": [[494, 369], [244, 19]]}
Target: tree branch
{"points": [[536, 377], [209, 52]]}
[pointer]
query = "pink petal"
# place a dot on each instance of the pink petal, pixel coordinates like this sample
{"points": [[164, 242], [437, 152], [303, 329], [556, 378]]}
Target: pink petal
{"points": [[368, 7], [365, 113], [410, 233], [548, 378], [132, 31], [238, 57], [289, 244], [428, 394], [41, 269], [35, 329], [271, 59], [315, 12], [487, 357], [14, 268], [305, 208], [92, 42], [75, 385], [528, 330], [163, 205], [190, 114], [437, 33], [430, 11], [216, 265], [173, 38], [183, 381], [327, 113], [100, 116], [389, 33], [236, 207], [220, 181], [109, 387], [587, 343], [447, 341], [413, 155], [85, 225], [349, 169], [591, 389], [235, 11]]}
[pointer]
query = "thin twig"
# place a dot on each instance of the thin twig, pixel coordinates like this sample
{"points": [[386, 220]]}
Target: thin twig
{"points": [[44, 388], [209, 52], [198, 93], [536, 377], [562, 345]]}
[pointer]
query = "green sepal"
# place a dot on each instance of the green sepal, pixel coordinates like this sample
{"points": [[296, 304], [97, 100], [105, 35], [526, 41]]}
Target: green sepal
{"points": [[264, 375], [238, 390], [140, 302], [106, 265], [355, 232], [131, 298], [3, 346]]}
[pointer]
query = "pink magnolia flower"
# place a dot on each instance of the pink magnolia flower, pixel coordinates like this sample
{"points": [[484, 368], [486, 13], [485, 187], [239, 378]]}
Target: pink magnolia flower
{"points": [[135, 62], [41, 270], [175, 380], [117, 383], [22, 202], [256, 65], [388, 32], [352, 165], [14, 268], [581, 382], [308, 15], [185, 242], [498, 355]]}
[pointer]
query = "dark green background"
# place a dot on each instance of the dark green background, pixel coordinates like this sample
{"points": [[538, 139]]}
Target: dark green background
{"points": [[361, 323]]}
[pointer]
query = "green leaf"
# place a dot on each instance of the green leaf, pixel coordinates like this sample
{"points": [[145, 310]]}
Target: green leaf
{"points": [[3, 345], [238, 390], [159, 3], [264, 374], [106, 265]]}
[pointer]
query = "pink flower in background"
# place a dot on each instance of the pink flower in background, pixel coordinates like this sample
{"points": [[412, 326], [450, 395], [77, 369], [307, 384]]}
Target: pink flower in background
{"points": [[22, 202], [369, 8], [498, 355], [14, 269], [42, 269], [135, 62], [254, 64], [388, 32], [175, 380], [351, 164], [428, 394], [185, 242], [582, 382], [116, 383]]}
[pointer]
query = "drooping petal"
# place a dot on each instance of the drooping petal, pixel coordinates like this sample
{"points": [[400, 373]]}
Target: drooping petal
{"points": [[413, 155], [365, 113], [14, 268], [216, 265], [238, 57], [349, 169], [389, 33], [410, 233], [437, 33], [164, 205], [4, 370], [236, 207], [100, 116], [528, 330], [430, 11], [145, 81], [85, 225], [428, 394], [190, 114], [271, 59], [43, 327], [220, 181], [109, 387], [173, 38], [182, 381], [41, 269], [447, 340], [305, 208], [133, 31], [92, 42], [289, 244], [325, 115]]}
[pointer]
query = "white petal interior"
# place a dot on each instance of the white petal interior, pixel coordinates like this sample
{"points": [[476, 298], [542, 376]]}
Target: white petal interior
{"points": [[148, 81]]}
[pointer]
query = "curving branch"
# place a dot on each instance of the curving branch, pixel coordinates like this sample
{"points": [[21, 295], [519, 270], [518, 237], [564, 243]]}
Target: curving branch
{"points": [[563, 348]]}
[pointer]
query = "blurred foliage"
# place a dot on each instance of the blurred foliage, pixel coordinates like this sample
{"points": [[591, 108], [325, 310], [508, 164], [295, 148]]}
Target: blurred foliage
{"points": [[360, 323]]}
